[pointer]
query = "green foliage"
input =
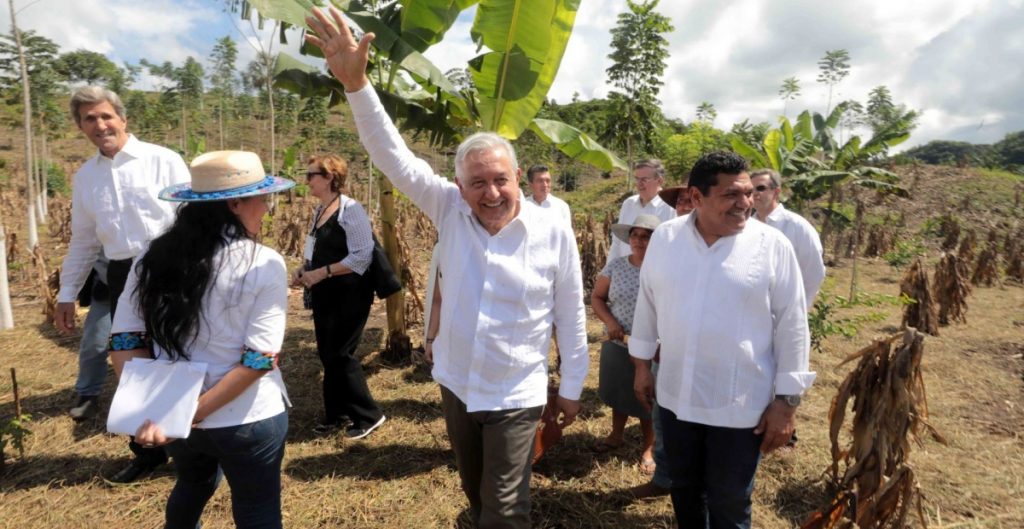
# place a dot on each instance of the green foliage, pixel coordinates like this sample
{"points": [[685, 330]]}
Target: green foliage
{"points": [[57, 181], [825, 319], [681, 151], [833, 68], [903, 253], [639, 52], [941, 152], [87, 67], [789, 91], [13, 433]]}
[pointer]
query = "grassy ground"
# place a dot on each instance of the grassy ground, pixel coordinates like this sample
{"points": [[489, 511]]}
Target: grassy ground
{"points": [[404, 475]]}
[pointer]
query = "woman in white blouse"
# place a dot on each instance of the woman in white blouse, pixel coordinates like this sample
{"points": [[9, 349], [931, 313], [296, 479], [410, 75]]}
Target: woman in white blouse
{"points": [[207, 291], [613, 301]]}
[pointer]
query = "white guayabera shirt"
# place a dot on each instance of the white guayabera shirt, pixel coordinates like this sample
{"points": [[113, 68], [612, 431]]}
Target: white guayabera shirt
{"points": [[501, 293], [555, 205], [114, 207], [807, 245], [630, 209], [732, 322]]}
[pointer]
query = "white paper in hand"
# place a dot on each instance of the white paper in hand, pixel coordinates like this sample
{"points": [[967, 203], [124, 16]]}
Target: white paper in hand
{"points": [[161, 391]]}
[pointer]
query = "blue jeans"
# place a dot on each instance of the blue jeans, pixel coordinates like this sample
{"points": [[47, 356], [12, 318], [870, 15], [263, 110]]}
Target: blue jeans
{"points": [[661, 477], [249, 455], [712, 470], [92, 351]]}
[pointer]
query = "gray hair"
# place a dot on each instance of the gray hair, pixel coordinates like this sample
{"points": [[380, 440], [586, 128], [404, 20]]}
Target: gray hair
{"points": [[772, 174], [482, 141], [653, 163], [91, 95]]}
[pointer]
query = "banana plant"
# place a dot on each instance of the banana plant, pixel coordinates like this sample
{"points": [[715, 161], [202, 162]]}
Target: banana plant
{"points": [[521, 43]]}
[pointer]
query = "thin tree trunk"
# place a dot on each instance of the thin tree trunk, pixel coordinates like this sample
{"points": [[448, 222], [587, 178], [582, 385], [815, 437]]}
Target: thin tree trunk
{"points": [[33, 236], [389, 232], [184, 128], [44, 155], [6, 316], [220, 123], [856, 243]]}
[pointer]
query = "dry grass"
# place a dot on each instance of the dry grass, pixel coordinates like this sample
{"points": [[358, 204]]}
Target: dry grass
{"points": [[404, 475]]}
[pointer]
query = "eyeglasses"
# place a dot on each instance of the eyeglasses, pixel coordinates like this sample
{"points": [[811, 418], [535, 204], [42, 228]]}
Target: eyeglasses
{"points": [[763, 187], [311, 174], [645, 179]]}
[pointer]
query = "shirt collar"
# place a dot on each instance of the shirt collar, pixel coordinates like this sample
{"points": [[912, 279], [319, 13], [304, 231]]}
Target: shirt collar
{"points": [[132, 148], [655, 202], [776, 213]]}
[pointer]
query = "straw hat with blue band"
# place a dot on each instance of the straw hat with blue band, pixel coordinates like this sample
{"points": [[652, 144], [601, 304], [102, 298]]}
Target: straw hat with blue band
{"points": [[220, 175]]}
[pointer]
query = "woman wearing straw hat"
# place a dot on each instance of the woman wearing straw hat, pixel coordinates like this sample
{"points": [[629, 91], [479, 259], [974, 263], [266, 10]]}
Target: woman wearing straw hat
{"points": [[207, 291], [613, 301], [339, 250]]}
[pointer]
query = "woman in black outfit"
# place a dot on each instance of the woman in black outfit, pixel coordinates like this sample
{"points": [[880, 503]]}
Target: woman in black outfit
{"points": [[338, 252]]}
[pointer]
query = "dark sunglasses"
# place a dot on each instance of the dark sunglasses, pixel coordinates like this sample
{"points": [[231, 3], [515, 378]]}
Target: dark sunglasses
{"points": [[311, 174], [762, 188]]}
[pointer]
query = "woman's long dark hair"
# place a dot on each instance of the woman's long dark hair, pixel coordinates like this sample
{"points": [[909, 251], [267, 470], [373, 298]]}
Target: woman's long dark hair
{"points": [[176, 272]]}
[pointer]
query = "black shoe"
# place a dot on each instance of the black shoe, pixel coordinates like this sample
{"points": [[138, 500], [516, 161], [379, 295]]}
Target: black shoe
{"points": [[135, 470], [86, 408], [358, 433]]}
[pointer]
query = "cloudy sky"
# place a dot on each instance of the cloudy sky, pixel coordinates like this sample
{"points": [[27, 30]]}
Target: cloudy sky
{"points": [[959, 62]]}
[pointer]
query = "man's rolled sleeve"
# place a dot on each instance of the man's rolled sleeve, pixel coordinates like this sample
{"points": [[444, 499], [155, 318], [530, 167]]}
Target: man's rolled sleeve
{"points": [[570, 320]]}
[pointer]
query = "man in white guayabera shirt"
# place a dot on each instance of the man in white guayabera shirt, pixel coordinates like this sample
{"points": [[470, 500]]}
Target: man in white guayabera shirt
{"points": [[732, 325], [649, 176], [114, 208], [539, 179], [510, 275], [801, 234]]}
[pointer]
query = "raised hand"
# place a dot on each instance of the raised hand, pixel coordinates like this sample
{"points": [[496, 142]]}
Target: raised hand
{"points": [[345, 57]]}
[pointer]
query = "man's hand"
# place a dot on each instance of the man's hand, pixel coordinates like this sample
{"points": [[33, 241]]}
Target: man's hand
{"points": [[345, 57], [567, 409], [777, 423], [64, 317], [643, 383]]}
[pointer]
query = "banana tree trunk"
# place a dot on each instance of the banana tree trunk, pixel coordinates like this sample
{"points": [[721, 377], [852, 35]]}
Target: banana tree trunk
{"points": [[389, 232]]}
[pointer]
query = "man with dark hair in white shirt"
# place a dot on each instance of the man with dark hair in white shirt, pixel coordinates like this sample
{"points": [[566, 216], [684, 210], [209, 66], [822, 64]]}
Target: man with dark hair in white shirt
{"points": [[539, 179], [510, 276], [114, 208], [649, 176], [801, 234], [732, 327]]}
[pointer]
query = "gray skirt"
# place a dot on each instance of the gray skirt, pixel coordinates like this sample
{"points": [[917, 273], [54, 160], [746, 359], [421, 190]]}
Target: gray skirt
{"points": [[615, 381]]}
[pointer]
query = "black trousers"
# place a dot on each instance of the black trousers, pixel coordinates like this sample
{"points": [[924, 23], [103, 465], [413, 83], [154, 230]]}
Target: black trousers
{"points": [[341, 306], [117, 275]]}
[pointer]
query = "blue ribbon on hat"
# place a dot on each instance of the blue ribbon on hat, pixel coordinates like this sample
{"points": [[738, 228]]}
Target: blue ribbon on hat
{"points": [[188, 194]]}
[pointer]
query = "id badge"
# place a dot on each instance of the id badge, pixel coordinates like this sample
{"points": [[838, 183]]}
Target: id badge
{"points": [[307, 250]]}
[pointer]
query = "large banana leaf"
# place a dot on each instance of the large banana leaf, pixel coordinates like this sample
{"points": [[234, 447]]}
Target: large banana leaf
{"points": [[772, 146], [293, 12], [527, 39], [576, 144], [752, 154], [424, 22]]}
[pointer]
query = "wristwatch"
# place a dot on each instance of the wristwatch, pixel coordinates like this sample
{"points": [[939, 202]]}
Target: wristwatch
{"points": [[792, 400]]}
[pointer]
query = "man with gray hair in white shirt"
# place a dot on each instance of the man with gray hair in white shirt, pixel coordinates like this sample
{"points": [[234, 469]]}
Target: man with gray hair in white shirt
{"points": [[732, 327], [511, 275], [114, 209], [801, 234]]}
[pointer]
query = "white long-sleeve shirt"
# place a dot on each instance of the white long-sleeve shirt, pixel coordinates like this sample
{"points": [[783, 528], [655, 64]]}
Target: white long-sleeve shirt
{"points": [[502, 293], [114, 207], [631, 207], [245, 306], [555, 205], [731, 320], [807, 245]]}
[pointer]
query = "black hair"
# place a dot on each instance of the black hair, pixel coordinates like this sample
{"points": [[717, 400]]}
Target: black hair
{"points": [[177, 270], [535, 169], [704, 174]]}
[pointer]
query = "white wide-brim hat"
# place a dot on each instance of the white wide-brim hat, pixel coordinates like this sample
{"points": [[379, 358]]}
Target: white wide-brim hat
{"points": [[645, 221], [220, 175]]}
